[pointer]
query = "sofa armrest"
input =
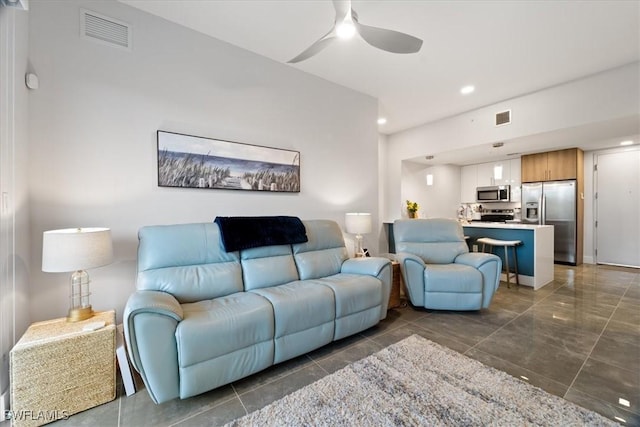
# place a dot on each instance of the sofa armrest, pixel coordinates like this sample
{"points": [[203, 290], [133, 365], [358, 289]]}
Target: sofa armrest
{"points": [[154, 302], [372, 266], [150, 321], [412, 267], [490, 266]]}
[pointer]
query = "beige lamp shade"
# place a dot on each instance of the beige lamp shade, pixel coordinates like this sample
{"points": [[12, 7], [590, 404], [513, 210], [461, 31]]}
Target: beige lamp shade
{"points": [[358, 223], [75, 249]]}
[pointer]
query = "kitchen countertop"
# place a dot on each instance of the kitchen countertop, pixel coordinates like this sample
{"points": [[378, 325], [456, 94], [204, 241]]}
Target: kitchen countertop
{"points": [[511, 226]]}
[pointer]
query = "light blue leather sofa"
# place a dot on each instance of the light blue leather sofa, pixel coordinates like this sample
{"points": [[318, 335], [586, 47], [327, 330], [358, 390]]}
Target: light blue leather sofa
{"points": [[202, 317], [438, 269]]}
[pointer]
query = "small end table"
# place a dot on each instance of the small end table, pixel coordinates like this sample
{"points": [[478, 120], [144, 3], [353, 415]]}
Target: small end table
{"points": [[396, 284], [57, 369]]}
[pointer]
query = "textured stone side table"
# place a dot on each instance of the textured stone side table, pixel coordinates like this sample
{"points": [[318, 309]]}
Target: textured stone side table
{"points": [[58, 369]]}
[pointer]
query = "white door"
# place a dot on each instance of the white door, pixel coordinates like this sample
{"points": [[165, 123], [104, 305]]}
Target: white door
{"points": [[617, 186]]}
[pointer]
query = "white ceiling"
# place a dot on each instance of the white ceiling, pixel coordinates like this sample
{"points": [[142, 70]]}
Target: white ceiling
{"points": [[504, 48]]}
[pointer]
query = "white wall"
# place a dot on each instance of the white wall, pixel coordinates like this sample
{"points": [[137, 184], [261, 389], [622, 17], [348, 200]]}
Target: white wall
{"points": [[14, 209], [606, 96], [588, 241], [93, 129], [440, 200], [383, 241]]}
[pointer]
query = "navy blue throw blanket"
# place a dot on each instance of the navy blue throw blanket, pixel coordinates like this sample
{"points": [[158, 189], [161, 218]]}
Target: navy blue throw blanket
{"points": [[244, 232]]}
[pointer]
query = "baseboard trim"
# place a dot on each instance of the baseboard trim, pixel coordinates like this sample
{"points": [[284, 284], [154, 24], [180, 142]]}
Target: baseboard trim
{"points": [[4, 405], [524, 280]]}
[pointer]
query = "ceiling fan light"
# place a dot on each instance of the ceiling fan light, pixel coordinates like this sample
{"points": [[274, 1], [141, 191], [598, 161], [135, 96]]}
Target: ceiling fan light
{"points": [[345, 30], [346, 25]]}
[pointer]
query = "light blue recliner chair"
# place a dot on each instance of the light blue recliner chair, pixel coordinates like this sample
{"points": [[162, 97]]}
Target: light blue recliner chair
{"points": [[439, 271]]}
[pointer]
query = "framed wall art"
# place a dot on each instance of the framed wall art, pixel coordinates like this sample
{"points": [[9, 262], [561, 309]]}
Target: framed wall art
{"points": [[196, 162]]}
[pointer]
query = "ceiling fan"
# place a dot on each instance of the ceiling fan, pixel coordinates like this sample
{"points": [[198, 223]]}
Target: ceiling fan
{"points": [[346, 25]]}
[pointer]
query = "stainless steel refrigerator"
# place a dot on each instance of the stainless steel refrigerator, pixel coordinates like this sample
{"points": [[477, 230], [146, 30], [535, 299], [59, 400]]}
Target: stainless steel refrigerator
{"points": [[554, 203]]}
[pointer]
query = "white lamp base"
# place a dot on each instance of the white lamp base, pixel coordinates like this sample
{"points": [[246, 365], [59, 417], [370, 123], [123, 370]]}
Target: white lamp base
{"points": [[358, 250]]}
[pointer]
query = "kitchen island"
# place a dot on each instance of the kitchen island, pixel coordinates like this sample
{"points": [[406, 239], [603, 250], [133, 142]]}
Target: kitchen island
{"points": [[535, 254]]}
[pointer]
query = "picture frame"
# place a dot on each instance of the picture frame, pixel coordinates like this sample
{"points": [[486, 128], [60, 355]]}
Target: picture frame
{"points": [[188, 161]]}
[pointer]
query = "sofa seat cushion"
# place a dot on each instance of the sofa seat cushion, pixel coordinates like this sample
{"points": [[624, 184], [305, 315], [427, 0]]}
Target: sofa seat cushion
{"points": [[358, 302], [223, 325], [354, 293], [299, 305], [304, 312], [455, 278]]}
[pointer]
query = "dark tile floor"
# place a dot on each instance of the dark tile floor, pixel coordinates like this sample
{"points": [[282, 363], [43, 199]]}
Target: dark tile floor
{"points": [[578, 337]]}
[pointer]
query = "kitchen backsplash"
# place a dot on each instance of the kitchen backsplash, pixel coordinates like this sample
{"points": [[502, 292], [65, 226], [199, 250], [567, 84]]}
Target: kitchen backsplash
{"points": [[471, 211]]}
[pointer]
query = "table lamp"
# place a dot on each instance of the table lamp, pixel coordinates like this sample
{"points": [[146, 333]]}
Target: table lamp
{"points": [[358, 224], [74, 250]]}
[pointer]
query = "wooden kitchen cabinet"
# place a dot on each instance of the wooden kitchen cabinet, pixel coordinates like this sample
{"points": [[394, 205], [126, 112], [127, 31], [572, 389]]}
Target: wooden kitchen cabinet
{"points": [[533, 167], [551, 166], [562, 164]]}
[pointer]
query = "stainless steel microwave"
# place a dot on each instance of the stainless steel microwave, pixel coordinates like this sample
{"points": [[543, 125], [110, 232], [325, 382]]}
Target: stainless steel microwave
{"points": [[497, 193]]}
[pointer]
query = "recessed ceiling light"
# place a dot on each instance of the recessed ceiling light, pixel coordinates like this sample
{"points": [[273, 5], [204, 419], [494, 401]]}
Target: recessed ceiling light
{"points": [[466, 90], [382, 121], [626, 142]]}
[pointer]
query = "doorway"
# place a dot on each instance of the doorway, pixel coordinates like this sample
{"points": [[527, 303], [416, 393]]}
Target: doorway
{"points": [[617, 207]]}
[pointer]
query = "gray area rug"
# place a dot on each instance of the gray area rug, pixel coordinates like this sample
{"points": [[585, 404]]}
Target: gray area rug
{"points": [[418, 382]]}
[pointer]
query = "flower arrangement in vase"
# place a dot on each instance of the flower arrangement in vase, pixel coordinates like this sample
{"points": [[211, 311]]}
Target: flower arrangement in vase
{"points": [[412, 209]]}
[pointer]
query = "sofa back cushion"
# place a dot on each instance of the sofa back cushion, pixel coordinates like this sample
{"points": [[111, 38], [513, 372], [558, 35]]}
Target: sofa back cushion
{"points": [[267, 266], [436, 241], [324, 253], [187, 261]]}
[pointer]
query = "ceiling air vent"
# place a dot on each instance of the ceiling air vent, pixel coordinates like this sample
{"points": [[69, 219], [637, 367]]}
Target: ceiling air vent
{"points": [[105, 30], [503, 118]]}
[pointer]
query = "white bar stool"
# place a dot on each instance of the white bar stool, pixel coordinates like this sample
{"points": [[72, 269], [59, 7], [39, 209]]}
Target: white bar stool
{"points": [[506, 244]]}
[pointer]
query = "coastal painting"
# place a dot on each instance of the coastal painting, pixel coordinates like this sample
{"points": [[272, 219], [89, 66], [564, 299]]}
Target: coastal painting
{"points": [[197, 162]]}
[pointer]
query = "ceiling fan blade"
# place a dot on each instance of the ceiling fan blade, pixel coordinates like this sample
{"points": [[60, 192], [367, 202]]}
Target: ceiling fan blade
{"points": [[389, 40], [342, 7], [316, 47]]}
